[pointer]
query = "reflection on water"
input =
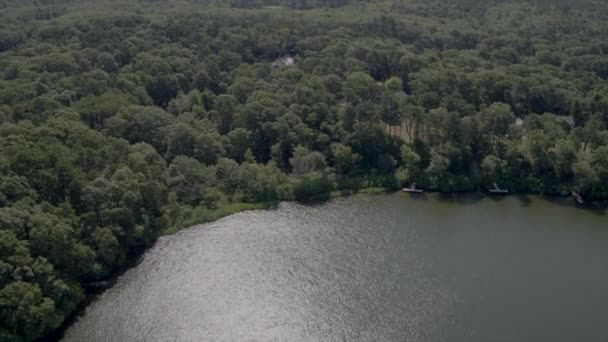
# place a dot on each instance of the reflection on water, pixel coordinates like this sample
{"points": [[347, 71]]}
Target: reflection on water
{"points": [[369, 268]]}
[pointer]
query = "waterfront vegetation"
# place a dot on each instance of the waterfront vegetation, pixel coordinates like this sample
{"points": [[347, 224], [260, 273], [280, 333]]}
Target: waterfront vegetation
{"points": [[122, 120]]}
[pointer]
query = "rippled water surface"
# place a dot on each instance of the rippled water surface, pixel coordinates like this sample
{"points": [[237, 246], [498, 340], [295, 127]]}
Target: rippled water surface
{"points": [[369, 268]]}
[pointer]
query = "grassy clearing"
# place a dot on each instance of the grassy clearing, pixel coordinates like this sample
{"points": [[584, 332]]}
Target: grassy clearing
{"points": [[202, 215], [372, 190]]}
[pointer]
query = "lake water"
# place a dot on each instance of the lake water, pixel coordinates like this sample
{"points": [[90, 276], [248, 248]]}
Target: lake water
{"points": [[369, 268]]}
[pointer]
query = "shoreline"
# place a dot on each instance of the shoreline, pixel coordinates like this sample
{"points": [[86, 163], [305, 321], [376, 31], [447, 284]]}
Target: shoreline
{"points": [[234, 208]]}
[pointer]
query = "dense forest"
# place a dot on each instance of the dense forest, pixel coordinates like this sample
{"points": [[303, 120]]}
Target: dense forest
{"points": [[121, 120]]}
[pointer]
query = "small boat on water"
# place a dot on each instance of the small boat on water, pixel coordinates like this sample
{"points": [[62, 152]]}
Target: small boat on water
{"points": [[497, 190], [577, 197], [413, 189]]}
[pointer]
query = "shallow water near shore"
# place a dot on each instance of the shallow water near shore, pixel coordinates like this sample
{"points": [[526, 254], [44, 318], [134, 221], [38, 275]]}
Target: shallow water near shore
{"points": [[391, 267]]}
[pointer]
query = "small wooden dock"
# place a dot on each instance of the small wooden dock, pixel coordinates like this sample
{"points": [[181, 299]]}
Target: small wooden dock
{"points": [[577, 197], [413, 189], [497, 190]]}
